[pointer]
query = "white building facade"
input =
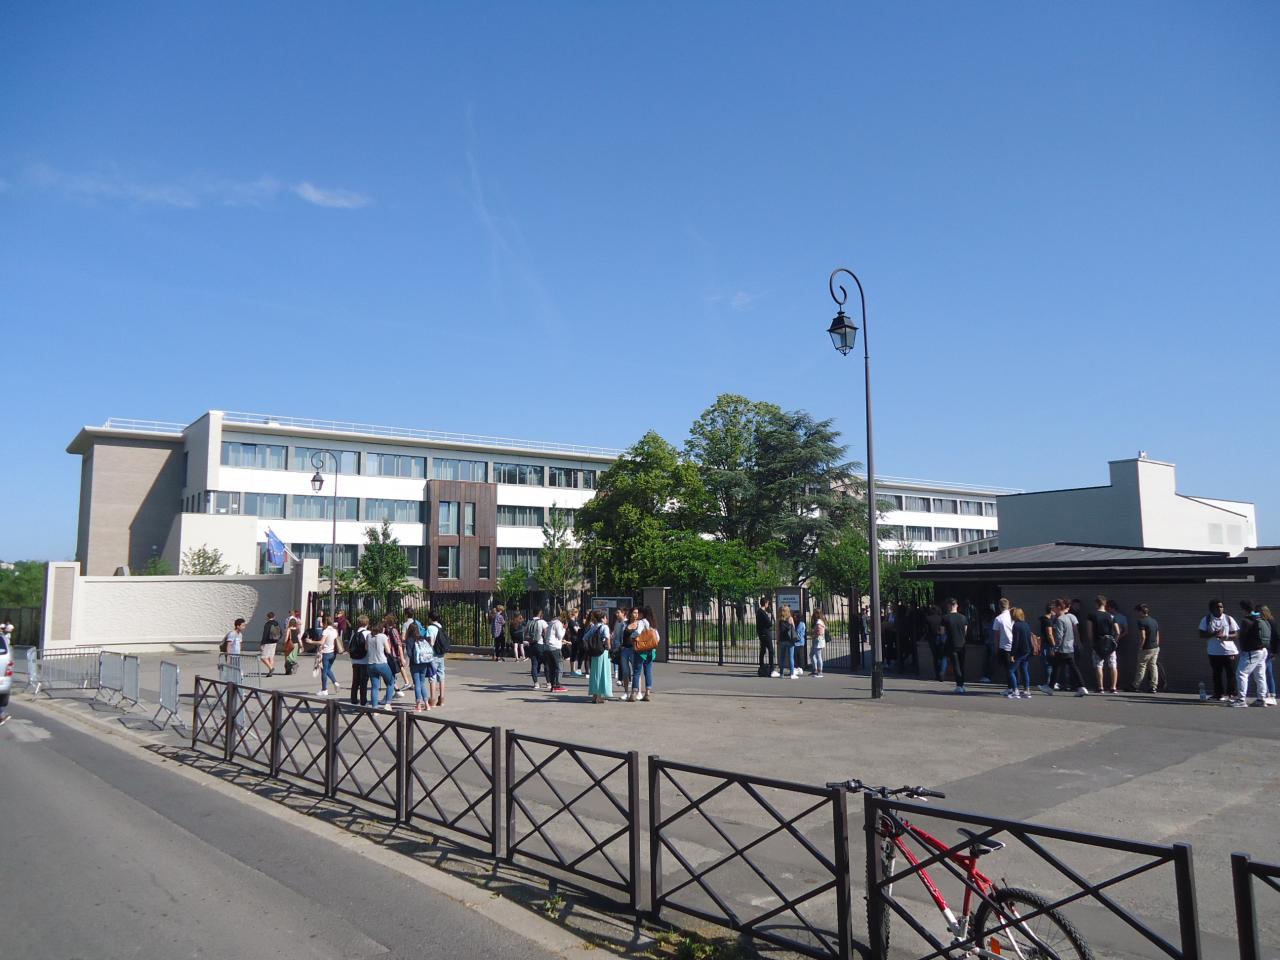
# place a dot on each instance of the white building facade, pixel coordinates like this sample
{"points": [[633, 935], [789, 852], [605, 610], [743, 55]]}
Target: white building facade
{"points": [[931, 518]]}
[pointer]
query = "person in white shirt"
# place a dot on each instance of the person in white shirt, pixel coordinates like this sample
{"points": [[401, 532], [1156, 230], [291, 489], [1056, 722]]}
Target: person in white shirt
{"points": [[328, 652], [231, 642], [376, 666], [1003, 627], [535, 634], [1221, 630], [554, 640]]}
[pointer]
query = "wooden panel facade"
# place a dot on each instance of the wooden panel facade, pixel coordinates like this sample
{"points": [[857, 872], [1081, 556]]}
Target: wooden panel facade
{"points": [[485, 498]]}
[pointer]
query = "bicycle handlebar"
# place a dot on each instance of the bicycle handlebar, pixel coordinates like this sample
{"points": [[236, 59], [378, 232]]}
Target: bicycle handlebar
{"points": [[857, 786]]}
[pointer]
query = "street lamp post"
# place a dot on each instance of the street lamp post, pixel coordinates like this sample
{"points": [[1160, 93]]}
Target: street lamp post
{"points": [[317, 483], [843, 336]]}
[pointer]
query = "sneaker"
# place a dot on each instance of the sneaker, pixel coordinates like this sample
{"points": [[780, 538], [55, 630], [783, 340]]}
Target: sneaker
{"points": [[4, 718], [794, 675], [1082, 692], [1258, 703], [400, 692], [984, 679], [559, 689], [1237, 703], [1269, 701], [1024, 695], [959, 689], [775, 674], [1056, 687], [1046, 689], [1011, 694], [322, 693], [647, 696], [537, 686], [626, 698]]}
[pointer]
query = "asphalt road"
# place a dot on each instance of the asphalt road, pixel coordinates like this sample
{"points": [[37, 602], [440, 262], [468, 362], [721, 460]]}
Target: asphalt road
{"points": [[107, 855]]}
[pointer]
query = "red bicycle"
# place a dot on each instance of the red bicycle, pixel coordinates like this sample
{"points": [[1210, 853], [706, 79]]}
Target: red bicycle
{"points": [[997, 929]]}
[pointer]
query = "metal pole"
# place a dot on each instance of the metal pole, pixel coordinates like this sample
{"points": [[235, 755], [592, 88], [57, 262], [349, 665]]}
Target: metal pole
{"points": [[877, 651], [333, 544]]}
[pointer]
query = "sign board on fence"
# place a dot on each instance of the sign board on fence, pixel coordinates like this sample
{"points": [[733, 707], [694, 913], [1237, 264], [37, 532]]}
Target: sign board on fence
{"points": [[606, 604], [788, 597]]}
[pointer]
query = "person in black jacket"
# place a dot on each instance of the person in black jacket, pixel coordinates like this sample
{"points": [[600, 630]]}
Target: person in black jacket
{"points": [[271, 635], [764, 631]]}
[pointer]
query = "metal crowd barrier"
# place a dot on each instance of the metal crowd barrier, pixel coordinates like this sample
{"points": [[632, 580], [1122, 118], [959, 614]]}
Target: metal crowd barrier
{"points": [[241, 669], [111, 675], [170, 693], [73, 669]]}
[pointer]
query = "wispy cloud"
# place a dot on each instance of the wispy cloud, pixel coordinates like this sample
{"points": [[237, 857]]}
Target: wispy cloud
{"points": [[187, 193], [340, 199], [741, 300]]}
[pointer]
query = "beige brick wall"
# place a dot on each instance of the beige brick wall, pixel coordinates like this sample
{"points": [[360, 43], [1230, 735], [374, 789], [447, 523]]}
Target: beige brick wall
{"points": [[134, 490]]}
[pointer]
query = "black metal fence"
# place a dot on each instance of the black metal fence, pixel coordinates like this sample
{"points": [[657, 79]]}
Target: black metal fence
{"points": [[785, 880], [26, 624], [452, 777], [209, 714], [367, 747], [464, 615], [1244, 872], [304, 728], [1052, 889], [575, 809]]}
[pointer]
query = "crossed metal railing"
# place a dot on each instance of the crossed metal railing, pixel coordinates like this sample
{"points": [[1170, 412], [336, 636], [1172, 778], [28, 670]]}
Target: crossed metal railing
{"points": [[1244, 872], [367, 747], [253, 725], [786, 882], [209, 713], [1067, 867], [452, 777], [576, 809], [303, 727]]}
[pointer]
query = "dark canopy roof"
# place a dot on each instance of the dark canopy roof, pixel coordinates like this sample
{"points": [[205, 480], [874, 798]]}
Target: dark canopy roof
{"points": [[1091, 562]]}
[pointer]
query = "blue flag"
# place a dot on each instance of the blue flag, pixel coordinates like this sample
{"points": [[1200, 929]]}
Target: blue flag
{"points": [[275, 549]]}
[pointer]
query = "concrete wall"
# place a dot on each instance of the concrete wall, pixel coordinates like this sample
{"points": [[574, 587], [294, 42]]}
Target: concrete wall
{"points": [[236, 537], [157, 613], [1087, 515], [135, 489]]}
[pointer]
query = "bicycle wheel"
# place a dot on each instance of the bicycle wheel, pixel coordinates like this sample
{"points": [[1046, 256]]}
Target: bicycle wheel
{"points": [[1049, 936], [888, 857]]}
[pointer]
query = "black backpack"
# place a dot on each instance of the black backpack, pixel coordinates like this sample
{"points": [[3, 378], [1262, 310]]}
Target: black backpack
{"points": [[359, 646], [443, 643], [273, 632], [531, 634], [595, 640]]}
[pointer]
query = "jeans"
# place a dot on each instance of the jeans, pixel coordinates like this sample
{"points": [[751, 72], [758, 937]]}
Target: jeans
{"points": [[1147, 660], [988, 657], [641, 669], [378, 674], [553, 666], [1223, 669], [1068, 674], [537, 655], [766, 653], [815, 659], [326, 670], [1048, 656], [359, 683], [1252, 663], [419, 672], [1271, 675], [937, 646], [956, 656], [788, 658], [624, 666], [1021, 667]]}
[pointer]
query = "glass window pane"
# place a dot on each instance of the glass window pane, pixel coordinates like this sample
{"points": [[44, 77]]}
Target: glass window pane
{"points": [[469, 520], [484, 572], [919, 504]]}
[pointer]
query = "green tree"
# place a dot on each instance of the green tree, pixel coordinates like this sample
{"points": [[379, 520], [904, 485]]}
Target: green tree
{"points": [[204, 561], [384, 568], [723, 443], [512, 585], [894, 587], [23, 586], [646, 496], [347, 580], [558, 562], [156, 567], [842, 563]]}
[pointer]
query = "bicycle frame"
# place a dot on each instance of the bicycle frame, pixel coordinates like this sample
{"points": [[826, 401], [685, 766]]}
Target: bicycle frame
{"points": [[897, 828]]}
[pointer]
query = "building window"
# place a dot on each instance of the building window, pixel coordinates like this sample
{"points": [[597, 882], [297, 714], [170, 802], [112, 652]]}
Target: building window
{"points": [[889, 532], [447, 563], [472, 471], [522, 474], [394, 465], [894, 500], [321, 508], [269, 506], [485, 572], [970, 508], [569, 516], [988, 509], [263, 456], [946, 535], [414, 556], [397, 511], [562, 477], [513, 516], [348, 554], [968, 536], [468, 519], [525, 558], [944, 506], [588, 479], [448, 524], [918, 504], [348, 461], [224, 503], [920, 534]]}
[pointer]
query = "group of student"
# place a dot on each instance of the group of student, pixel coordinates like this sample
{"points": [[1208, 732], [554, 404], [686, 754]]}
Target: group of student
{"points": [[387, 657], [794, 641], [618, 647]]}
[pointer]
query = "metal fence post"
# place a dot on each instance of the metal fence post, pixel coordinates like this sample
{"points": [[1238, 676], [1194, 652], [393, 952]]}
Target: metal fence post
{"points": [[331, 748], [875, 875], [719, 630], [633, 835], [276, 731], [655, 839], [1246, 918], [495, 788], [228, 721], [509, 787], [844, 894], [402, 763], [1188, 915]]}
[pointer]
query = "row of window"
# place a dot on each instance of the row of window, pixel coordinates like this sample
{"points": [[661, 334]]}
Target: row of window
{"points": [[912, 534], [964, 508], [348, 558], [450, 511], [275, 456], [274, 506]]}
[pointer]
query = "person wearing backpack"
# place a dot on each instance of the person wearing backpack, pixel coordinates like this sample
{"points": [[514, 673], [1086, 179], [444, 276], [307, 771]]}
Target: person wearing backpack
{"points": [[358, 648], [595, 645], [1255, 638], [535, 632], [377, 666], [271, 635], [1105, 638], [440, 644], [292, 644], [422, 663]]}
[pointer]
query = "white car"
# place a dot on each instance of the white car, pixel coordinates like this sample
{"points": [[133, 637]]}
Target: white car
{"points": [[6, 676]]}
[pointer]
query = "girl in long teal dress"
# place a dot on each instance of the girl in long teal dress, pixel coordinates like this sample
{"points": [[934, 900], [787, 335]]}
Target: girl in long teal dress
{"points": [[600, 684]]}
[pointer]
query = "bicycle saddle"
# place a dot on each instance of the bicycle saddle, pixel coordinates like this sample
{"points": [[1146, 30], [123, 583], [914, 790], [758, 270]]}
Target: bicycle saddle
{"points": [[980, 845]]}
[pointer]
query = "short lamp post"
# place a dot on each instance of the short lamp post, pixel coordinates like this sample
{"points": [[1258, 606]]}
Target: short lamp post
{"points": [[317, 484], [843, 336]]}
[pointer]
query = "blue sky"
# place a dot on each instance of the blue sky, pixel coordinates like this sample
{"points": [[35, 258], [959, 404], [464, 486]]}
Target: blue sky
{"points": [[579, 221]]}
